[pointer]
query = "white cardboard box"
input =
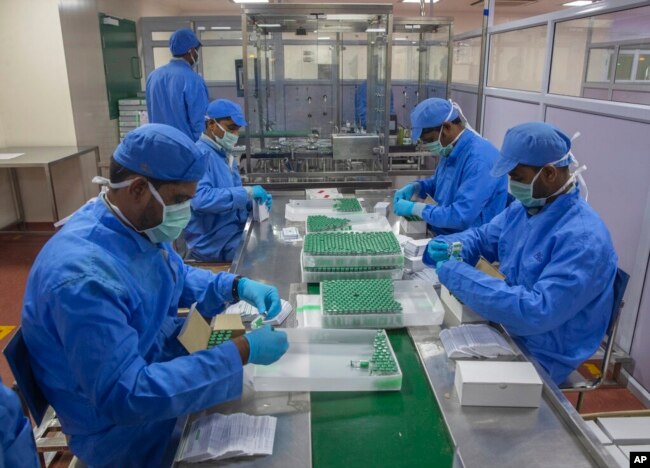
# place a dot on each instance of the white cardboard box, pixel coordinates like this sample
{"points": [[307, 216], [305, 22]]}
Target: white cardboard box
{"points": [[382, 208], [462, 312], [602, 437], [632, 430], [260, 212], [413, 227], [498, 383], [618, 455], [413, 263]]}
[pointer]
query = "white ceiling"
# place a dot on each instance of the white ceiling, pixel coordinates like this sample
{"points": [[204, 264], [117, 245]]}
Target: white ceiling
{"points": [[442, 8], [465, 15]]}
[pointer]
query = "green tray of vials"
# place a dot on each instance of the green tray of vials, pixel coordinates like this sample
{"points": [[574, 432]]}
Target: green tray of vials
{"points": [[300, 210], [348, 205], [320, 223], [419, 306], [353, 249], [357, 222], [363, 296]]}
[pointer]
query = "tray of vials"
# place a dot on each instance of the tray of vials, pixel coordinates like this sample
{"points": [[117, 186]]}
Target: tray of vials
{"points": [[299, 210], [358, 222], [374, 303], [330, 361], [352, 249], [318, 274]]}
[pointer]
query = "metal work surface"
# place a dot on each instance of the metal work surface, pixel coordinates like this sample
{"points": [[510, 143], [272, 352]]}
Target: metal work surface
{"points": [[45, 158], [292, 446], [36, 156], [551, 435], [504, 437]]}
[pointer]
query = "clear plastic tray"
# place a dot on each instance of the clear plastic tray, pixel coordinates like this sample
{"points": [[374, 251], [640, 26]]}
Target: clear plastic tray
{"points": [[318, 360], [421, 306], [363, 222], [298, 210], [318, 276]]}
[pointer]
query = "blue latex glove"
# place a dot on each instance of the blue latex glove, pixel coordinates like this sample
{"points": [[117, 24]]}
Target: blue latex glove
{"points": [[266, 345], [403, 207], [439, 264], [264, 297], [438, 252], [406, 192], [262, 196]]}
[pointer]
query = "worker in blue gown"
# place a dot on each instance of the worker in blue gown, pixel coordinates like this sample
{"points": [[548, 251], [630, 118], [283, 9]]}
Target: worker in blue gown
{"points": [[100, 310], [17, 447], [221, 205], [465, 194], [554, 250], [176, 94]]}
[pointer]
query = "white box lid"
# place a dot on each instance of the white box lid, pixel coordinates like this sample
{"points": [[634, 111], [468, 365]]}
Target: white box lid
{"points": [[497, 372]]}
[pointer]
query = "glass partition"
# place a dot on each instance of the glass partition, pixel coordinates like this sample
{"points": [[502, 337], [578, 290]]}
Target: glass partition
{"points": [[516, 59], [604, 57]]}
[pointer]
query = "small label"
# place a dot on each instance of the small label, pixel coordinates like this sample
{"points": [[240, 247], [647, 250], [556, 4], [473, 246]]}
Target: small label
{"points": [[639, 458]]}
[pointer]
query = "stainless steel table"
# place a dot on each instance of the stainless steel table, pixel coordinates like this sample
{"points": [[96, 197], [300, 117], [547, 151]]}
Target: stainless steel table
{"points": [[44, 157], [551, 435]]}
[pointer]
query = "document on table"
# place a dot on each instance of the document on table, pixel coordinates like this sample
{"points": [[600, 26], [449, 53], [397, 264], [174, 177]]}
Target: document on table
{"points": [[219, 436], [4, 156], [480, 341]]}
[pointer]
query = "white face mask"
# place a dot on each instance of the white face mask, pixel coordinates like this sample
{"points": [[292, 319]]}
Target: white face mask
{"points": [[195, 59]]}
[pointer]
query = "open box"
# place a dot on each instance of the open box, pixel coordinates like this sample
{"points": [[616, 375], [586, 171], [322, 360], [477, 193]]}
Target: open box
{"points": [[196, 332]]}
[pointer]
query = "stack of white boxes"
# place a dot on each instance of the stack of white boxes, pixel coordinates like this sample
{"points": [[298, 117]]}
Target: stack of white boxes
{"points": [[133, 113], [623, 436]]}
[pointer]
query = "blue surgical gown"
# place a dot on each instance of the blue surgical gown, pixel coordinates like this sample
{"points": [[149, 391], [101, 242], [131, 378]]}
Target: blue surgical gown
{"points": [[220, 209], [17, 446], [178, 96], [466, 193], [100, 323], [560, 265]]}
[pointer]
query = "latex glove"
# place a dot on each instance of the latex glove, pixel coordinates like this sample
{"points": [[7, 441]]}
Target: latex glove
{"points": [[403, 207], [261, 196], [406, 192], [437, 252], [264, 297], [449, 259], [266, 345]]}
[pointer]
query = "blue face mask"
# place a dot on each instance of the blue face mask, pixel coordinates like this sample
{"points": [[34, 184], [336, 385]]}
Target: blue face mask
{"points": [[524, 192], [227, 141], [436, 146], [175, 217]]}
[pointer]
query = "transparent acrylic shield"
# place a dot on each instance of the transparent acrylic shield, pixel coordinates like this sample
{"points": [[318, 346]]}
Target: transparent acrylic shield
{"points": [[320, 360]]}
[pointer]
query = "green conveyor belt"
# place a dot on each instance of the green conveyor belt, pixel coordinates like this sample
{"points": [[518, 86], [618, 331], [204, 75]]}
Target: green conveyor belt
{"points": [[381, 429]]}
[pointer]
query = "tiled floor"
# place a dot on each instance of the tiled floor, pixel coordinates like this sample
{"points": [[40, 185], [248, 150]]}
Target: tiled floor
{"points": [[17, 253]]}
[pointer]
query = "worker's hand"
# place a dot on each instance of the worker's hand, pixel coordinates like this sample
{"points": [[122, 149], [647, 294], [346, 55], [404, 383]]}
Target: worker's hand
{"points": [[264, 297], [437, 253], [403, 207], [406, 192], [266, 345], [261, 196]]}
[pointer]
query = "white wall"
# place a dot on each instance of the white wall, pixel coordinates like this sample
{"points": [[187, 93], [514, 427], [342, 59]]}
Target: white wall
{"points": [[35, 107]]}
